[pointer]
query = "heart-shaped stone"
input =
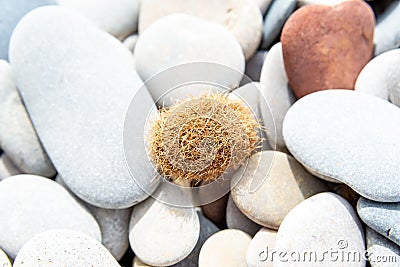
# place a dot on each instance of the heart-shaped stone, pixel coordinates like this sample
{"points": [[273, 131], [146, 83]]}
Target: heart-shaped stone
{"points": [[326, 47]]}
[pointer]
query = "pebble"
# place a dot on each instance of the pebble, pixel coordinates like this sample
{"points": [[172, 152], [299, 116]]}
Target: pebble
{"points": [[11, 11], [324, 222], [242, 19], [254, 65], [335, 44], [343, 145], [384, 218], [119, 19], [387, 34], [383, 252], [163, 235], [216, 211], [4, 261], [64, 248], [80, 118], [7, 167], [380, 77], [138, 263], [320, 2], [226, 248], [17, 136], [235, 219], [263, 5], [270, 184], [274, 20], [263, 240], [277, 97], [31, 204], [130, 42]]}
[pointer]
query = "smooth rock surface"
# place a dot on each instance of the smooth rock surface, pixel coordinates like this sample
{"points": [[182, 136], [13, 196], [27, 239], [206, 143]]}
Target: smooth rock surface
{"points": [[216, 211], [387, 34], [17, 136], [4, 261], [380, 77], [274, 20], [235, 219], [343, 145], [139, 263], [277, 97], [271, 185], [82, 128], [64, 248], [320, 2], [261, 243], [11, 11], [241, 17], [384, 218], [383, 252], [263, 5], [254, 65], [31, 204], [225, 249], [119, 18], [163, 235], [130, 42], [7, 167], [324, 222], [335, 44]]}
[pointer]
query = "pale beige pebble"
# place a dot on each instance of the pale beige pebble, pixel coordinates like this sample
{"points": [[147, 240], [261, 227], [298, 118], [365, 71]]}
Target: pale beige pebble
{"points": [[241, 17], [260, 246], [225, 248], [7, 167], [4, 260], [138, 263]]}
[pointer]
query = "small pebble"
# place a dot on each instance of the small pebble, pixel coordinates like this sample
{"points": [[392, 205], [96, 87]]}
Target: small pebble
{"points": [[130, 42], [235, 219], [382, 252], [387, 32], [320, 2], [7, 167], [254, 65], [216, 211], [263, 240]]}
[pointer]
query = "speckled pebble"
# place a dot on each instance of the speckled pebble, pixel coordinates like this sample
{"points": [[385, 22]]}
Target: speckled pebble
{"points": [[381, 217], [4, 261], [261, 243], [382, 252], [387, 32], [31, 204], [270, 184], [56, 248], [235, 219], [343, 145], [7, 167], [226, 248]]}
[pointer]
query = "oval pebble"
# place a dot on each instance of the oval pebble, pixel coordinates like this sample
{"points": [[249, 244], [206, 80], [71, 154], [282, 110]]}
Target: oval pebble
{"points": [[344, 145], [271, 184], [382, 252], [87, 112], [31, 204], [162, 235], [235, 219], [387, 34], [17, 136], [322, 224], [7, 167], [4, 261], [64, 248], [262, 243], [241, 18], [225, 249]]}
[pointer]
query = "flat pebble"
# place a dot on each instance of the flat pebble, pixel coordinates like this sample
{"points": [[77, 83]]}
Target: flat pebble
{"points": [[274, 20], [17, 136], [235, 219], [130, 42], [117, 18], [381, 217], [4, 261], [64, 248], [335, 44], [382, 252], [31, 204], [242, 18], [11, 11], [323, 223], [387, 34], [277, 97], [225, 249], [7, 167], [89, 155], [270, 184], [163, 235], [261, 243], [343, 145]]}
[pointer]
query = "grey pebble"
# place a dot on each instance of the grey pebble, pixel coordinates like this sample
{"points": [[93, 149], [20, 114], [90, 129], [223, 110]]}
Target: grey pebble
{"points": [[382, 252], [255, 64], [7, 167], [387, 32]]}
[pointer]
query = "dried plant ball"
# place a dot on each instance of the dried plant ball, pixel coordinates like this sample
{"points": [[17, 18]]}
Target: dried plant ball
{"points": [[200, 138]]}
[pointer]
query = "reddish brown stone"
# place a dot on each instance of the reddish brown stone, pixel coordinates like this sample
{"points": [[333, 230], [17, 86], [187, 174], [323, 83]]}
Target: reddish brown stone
{"points": [[326, 47]]}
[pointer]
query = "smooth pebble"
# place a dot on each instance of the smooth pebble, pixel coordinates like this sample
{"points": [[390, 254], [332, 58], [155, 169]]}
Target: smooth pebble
{"points": [[7, 167], [235, 219], [261, 243], [382, 252], [254, 65], [387, 32], [4, 260], [130, 42]]}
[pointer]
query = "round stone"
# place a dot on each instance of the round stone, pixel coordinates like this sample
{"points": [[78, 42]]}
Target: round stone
{"points": [[4, 261], [387, 34], [382, 252], [7, 167], [64, 248], [242, 18], [335, 44], [17, 136], [235, 219], [261, 244], [117, 18], [80, 118], [276, 97], [163, 235], [32, 204], [270, 184], [320, 224], [343, 145], [225, 249]]}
